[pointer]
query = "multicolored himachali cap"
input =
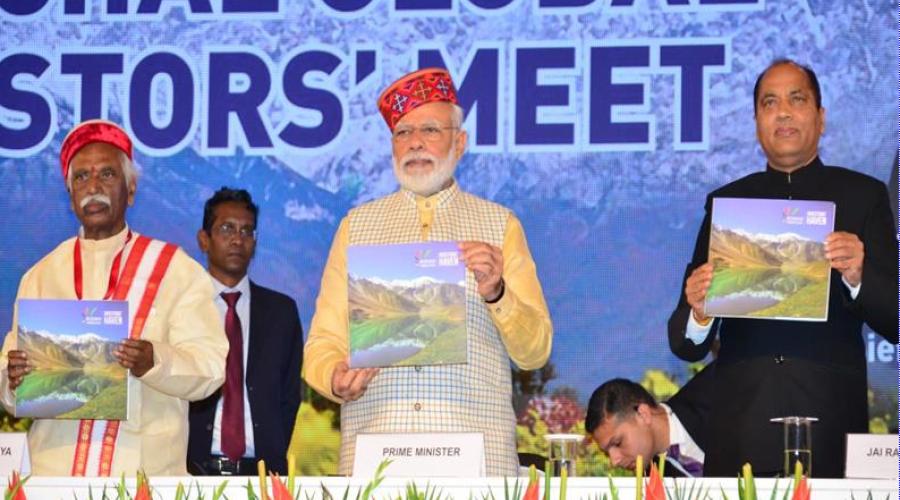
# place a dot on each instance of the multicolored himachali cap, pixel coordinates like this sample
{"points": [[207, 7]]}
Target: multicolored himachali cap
{"points": [[89, 132], [413, 90]]}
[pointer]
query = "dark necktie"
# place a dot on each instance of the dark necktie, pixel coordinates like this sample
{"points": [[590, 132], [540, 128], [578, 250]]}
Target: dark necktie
{"points": [[693, 467], [233, 444]]}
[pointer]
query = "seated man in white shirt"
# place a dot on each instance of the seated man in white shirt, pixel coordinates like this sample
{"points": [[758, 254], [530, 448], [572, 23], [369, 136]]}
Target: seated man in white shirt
{"points": [[626, 421]]}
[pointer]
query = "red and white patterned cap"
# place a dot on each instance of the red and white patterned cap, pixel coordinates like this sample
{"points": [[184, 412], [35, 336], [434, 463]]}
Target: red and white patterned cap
{"points": [[413, 90]]}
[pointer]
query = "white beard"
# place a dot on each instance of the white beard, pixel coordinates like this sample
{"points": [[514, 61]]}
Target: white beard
{"points": [[428, 183]]}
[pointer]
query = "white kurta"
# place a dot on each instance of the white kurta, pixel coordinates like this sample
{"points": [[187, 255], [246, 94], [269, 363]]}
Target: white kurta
{"points": [[189, 349]]}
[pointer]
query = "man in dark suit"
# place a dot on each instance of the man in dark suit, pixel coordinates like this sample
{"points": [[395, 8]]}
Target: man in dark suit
{"points": [[775, 368], [625, 421], [892, 189], [250, 417]]}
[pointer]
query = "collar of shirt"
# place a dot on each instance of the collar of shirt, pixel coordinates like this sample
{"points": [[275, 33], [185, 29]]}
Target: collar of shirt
{"points": [[807, 173], [426, 205], [242, 308], [438, 199], [113, 243], [679, 435], [243, 286]]}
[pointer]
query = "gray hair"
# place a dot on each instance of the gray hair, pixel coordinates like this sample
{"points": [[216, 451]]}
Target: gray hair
{"points": [[128, 170], [457, 116]]}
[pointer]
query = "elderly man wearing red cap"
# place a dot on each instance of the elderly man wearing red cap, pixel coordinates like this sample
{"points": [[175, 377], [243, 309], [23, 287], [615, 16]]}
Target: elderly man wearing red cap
{"points": [[506, 316], [176, 347]]}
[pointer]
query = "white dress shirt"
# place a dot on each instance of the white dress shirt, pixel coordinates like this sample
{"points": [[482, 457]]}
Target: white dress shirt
{"points": [[243, 312], [679, 435]]}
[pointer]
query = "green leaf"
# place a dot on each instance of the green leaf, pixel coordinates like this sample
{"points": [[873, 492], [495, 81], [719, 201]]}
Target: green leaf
{"points": [[379, 477], [613, 491], [121, 490], [490, 493], [774, 490], [220, 490], [251, 495], [516, 492], [547, 471]]}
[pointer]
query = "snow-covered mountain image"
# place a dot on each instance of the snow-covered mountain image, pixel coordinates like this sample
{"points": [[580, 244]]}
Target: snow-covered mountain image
{"points": [[771, 270], [75, 375], [404, 321], [87, 351], [731, 247]]}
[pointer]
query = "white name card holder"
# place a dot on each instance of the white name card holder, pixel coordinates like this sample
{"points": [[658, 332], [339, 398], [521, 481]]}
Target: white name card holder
{"points": [[871, 456], [14, 454], [453, 454]]}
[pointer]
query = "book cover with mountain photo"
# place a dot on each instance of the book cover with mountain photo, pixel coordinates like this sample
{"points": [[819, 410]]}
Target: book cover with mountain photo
{"points": [[769, 259], [70, 344], [407, 304]]}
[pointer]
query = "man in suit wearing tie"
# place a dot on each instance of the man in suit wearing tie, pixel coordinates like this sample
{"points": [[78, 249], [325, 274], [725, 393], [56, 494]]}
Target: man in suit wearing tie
{"points": [[251, 417], [626, 421]]}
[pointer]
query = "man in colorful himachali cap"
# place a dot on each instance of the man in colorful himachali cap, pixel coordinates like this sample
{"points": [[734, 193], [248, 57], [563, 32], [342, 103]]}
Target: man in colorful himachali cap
{"points": [[176, 347], [506, 316]]}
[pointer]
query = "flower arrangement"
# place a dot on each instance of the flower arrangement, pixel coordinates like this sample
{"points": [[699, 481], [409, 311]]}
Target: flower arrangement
{"points": [[14, 490], [273, 487]]}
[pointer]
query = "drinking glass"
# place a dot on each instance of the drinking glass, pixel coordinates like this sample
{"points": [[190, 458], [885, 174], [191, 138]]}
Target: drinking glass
{"points": [[563, 450], [797, 443]]}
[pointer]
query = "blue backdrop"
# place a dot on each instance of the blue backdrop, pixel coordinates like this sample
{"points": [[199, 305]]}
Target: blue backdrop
{"points": [[602, 123]]}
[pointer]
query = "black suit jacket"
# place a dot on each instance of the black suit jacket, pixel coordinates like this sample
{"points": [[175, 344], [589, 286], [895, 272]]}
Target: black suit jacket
{"points": [[769, 368], [691, 404], [273, 382]]}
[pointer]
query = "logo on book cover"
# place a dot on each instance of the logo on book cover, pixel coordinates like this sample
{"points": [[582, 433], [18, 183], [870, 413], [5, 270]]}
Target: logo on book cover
{"points": [[89, 316], [448, 258], [816, 217], [423, 258], [112, 318], [791, 215]]}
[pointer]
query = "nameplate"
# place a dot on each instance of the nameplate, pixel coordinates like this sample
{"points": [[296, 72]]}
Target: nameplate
{"points": [[871, 456], [420, 454], [14, 454]]}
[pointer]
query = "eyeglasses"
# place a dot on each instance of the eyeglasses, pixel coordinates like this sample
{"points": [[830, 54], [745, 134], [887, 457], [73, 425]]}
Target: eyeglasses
{"points": [[227, 230], [429, 133]]}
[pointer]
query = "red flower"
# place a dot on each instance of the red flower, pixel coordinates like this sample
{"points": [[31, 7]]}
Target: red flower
{"points": [[143, 488], [14, 489], [532, 492], [655, 488], [801, 491], [279, 490]]}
